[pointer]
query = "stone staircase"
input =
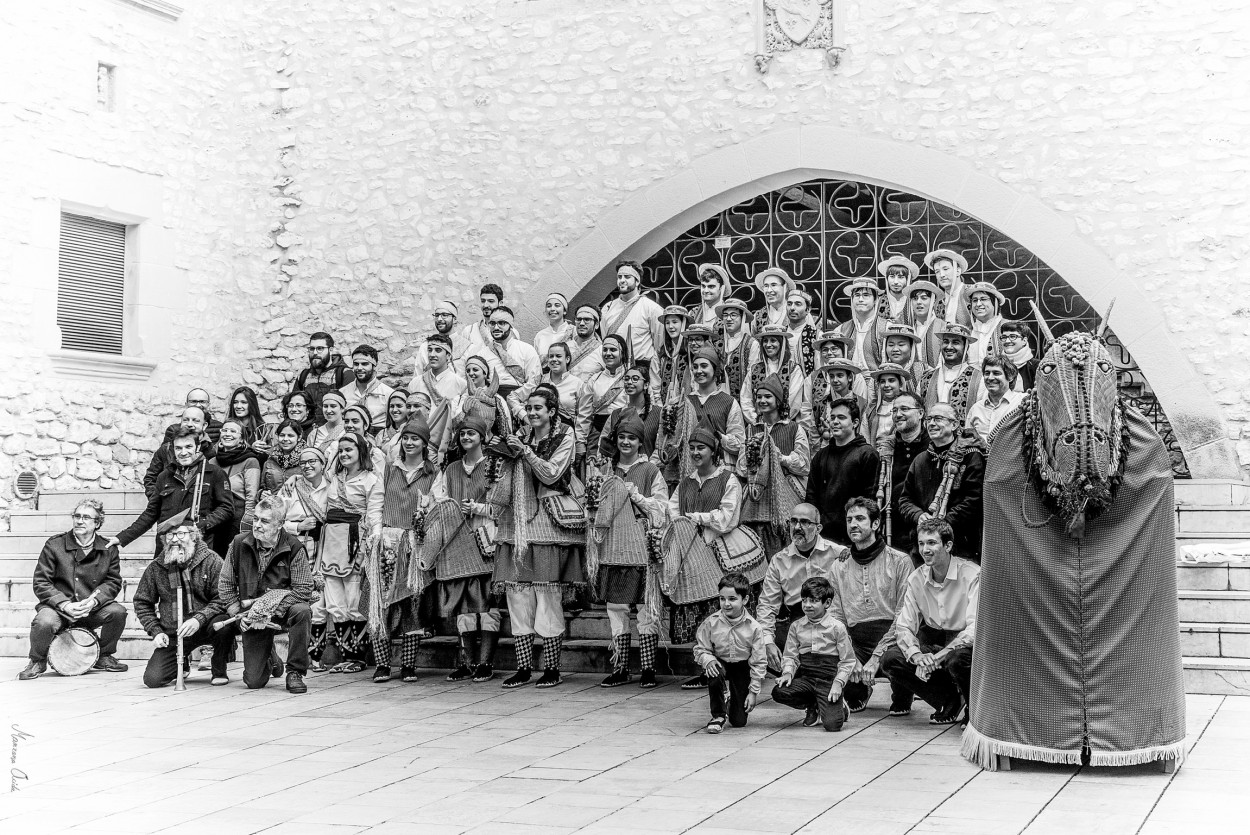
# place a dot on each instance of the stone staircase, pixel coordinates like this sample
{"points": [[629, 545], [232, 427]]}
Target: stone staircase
{"points": [[1214, 597], [586, 650]]}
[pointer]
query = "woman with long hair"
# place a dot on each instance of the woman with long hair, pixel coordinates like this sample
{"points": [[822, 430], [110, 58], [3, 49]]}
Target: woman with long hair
{"points": [[353, 520], [245, 409], [542, 535], [298, 407], [570, 388]]}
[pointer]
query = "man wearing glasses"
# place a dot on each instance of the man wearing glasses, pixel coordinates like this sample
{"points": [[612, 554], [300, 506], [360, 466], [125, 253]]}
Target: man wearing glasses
{"points": [[77, 580], [808, 555], [445, 313], [963, 507], [586, 345], [326, 371], [901, 448], [514, 361]]}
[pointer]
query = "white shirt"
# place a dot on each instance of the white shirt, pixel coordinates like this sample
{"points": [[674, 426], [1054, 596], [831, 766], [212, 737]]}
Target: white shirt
{"points": [[590, 363], [983, 417], [517, 353], [374, 399], [641, 327], [982, 333], [547, 337]]}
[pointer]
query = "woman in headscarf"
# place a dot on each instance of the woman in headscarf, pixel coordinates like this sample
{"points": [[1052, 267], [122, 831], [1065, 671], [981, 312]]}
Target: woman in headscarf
{"points": [[704, 540], [632, 500], [397, 606], [773, 467], [242, 467], [297, 407], [326, 436], [558, 329], [353, 519], [481, 399], [283, 460], [774, 359], [542, 535], [459, 543], [637, 384]]}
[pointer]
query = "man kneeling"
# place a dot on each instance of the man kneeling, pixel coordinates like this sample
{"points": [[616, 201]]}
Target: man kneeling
{"points": [[935, 628], [818, 660], [189, 563], [266, 583]]}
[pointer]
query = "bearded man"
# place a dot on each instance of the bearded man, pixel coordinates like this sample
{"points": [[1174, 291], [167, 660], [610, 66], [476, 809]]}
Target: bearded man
{"points": [[326, 371], [189, 564], [585, 345], [802, 328], [632, 315], [445, 313], [955, 382]]}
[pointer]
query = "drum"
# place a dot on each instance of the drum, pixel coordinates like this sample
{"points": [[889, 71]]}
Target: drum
{"points": [[74, 651]]}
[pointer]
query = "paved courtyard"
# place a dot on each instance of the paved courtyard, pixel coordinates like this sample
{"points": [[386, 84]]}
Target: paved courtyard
{"points": [[102, 754]]}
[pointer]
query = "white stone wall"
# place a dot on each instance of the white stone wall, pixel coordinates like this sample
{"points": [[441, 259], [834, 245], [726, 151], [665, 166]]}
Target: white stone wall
{"points": [[344, 166]]}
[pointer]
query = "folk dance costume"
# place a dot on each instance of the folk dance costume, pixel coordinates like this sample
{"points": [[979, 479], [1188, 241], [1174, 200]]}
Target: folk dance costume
{"points": [[603, 394], [637, 321], [459, 548], [770, 316], [572, 393], [878, 419], [671, 365], [895, 308], [720, 410], [541, 549], [704, 314], [928, 345], [740, 350], [513, 363], [646, 412], [399, 600], [868, 591], [455, 345], [353, 517], [444, 390], [631, 506], [803, 341], [301, 500], [1095, 674], [561, 331], [773, 469], [703, 542], [785, 368], [479, 401], [951, 306], [958, 386], [586, 357]]}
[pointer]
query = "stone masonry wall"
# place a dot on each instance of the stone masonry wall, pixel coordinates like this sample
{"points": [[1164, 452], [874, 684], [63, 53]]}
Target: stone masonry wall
{"points": [[343, 164]]}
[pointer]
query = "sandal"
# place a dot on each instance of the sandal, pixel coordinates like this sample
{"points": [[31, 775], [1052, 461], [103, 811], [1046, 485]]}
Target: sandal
{"points": [[348, 667], [946, 716], [715, 725]]}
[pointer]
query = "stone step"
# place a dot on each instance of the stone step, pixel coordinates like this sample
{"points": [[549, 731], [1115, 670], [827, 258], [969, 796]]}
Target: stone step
{"points": [[1199, 491], [1216, 640], [132, 564], [64, 501], [1214, 606], [1213, 576], [30, 544], [47, 522], [1217, 676], [1212, 518]]}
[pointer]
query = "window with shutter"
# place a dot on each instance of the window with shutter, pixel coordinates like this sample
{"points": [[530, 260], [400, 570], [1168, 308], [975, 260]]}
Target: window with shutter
{"points": [[91, 283]]}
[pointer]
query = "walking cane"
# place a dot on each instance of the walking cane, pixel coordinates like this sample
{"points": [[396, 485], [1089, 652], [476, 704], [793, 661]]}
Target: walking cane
{"points": [[181, 683]]}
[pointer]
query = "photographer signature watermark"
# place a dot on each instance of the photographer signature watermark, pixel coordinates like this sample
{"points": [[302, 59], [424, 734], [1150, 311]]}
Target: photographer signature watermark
{"points": [[16, 775]]}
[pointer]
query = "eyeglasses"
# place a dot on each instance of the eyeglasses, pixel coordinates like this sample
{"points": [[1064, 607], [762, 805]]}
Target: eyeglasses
{"points": [[899, 409], [83, 517], [803, 523], [309, 462], [584, 319]]}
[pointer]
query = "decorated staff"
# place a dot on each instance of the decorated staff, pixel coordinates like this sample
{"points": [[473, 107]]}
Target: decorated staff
{"points": [[944, 481]]}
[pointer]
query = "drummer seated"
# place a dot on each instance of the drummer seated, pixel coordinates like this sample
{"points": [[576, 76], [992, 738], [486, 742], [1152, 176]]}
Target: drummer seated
{"points": [[934, 629], [77, 580], [186, 560]]}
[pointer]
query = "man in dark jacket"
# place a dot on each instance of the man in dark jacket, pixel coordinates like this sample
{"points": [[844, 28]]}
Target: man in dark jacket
{"points": [[263, 560], [194, 418], [845, 468], [963, 508], [189, 563], [175, 497], [902, 446], [326, 371], [77, 580]]}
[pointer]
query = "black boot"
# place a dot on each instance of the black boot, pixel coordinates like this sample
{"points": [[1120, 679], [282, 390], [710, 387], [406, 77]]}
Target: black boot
{"points": [[524, 647], [409, 647], [620, 662], [463, 671], [552, 649], [647, 645], [485, 670]]}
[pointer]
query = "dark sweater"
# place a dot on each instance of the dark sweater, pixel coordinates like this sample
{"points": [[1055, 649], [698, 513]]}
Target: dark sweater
{"points": [[902, 529], [841, 473], [156, 595], [963, 509], [67, 573], [164, 456]]}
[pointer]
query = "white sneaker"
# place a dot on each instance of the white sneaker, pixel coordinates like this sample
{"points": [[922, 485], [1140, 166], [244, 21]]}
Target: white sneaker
{"points": [[206, 659]]}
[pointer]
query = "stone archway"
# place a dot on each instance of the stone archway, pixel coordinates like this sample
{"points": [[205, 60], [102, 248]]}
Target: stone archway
{"points": [[651, 218]]}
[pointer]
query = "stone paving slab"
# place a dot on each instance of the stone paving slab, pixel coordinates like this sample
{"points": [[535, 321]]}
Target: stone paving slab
{"points": [[104, 754]]}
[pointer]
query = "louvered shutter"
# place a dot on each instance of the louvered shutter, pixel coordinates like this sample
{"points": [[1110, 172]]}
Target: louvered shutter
{"points": [[91, 284]]}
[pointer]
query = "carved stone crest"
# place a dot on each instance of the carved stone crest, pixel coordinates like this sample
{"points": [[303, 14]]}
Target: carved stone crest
{"points": [[797, 24]]}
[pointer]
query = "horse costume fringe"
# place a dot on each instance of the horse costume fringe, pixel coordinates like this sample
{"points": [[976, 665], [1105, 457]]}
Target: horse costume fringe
{"points": [[985, 751]]}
